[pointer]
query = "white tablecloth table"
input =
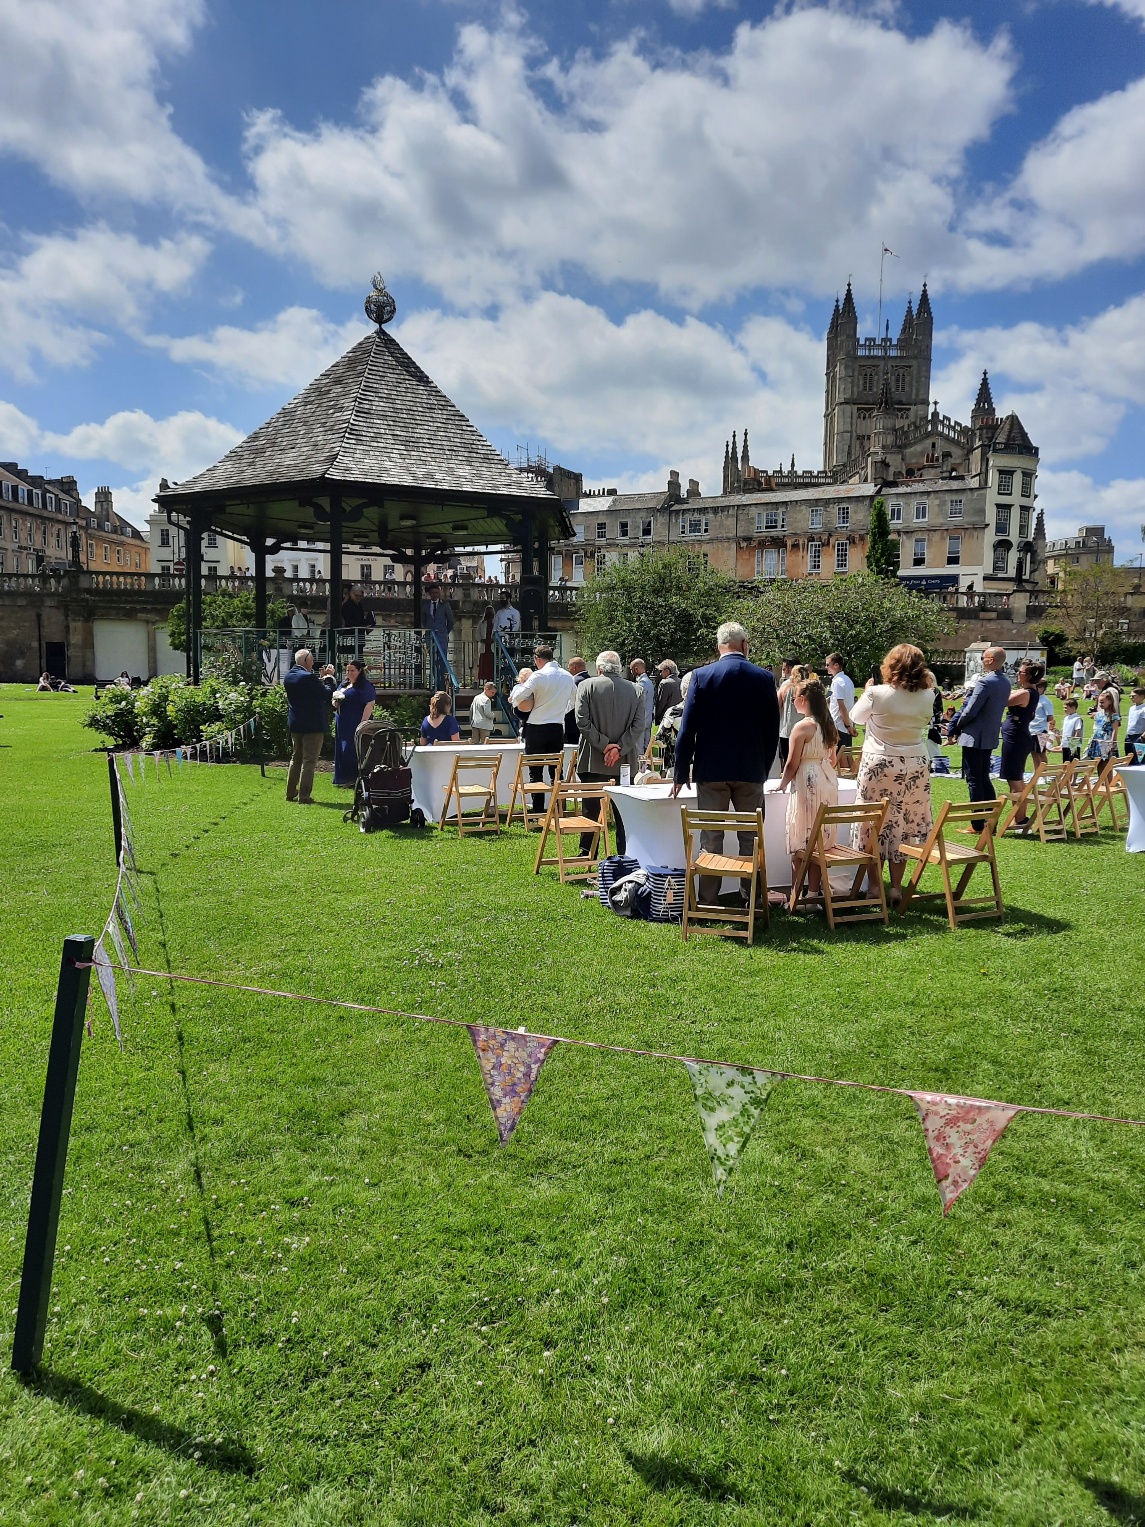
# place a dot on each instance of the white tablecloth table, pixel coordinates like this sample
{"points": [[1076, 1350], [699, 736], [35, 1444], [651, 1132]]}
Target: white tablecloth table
{"points": [[654, 836], [431, 768], [1134, 777]]}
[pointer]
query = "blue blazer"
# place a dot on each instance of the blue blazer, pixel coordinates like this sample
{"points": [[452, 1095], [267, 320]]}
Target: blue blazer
{"points": [[981, 713], [730, 726], [308, 701]]}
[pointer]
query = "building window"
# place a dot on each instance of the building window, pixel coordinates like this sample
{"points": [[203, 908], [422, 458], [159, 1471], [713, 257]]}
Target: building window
{"points": [[7, 489], [602, 530], [900, 381], [138, 563], [35, 498], [1023, 524], [645, 530], [1001, 557], [366, 572], [313, 570], [51, 500], [866, 381], [91, 551], [1, 527], [953, 550], [601, 561], [1002, 519], [815, 556], [1027, 485], [622, 530], [622, 557], [294, 569], [816, 520], [578, 566], [954, 509], [918, 558], [165, 537], [106, 552], [15, 529], [771, 519], [896, 514], [580, 532], [22, 493], [771, 562], [212, 538], [119, 555], [697, 561], [920, 512], [1005, 482], [59, 539], [842, 556], [843, 516]]}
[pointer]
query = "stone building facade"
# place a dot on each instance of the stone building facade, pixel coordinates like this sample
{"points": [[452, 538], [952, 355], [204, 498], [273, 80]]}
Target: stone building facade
{"points": [[1087, 548], [46, 527]]}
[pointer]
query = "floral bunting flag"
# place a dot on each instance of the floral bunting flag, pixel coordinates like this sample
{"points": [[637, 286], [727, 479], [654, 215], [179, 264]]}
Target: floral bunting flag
{"points": [[130, 767], [730, 1099], [120, 953], [510, 1064], [960, 1133], [128, 926], [107, 985]]}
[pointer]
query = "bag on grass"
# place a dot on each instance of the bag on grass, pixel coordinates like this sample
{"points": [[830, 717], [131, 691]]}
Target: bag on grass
{"points": [[388, 798], [611, 870], [631, 896], [667, 889]]}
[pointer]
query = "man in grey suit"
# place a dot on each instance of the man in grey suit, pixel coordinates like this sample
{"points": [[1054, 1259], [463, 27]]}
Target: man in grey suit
{"points": [[438, 618], [609, 717], [979, 723]]}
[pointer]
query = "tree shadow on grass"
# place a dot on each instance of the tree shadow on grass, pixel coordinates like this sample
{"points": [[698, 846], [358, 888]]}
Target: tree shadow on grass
{"points": [[227, 1456], [904, 1500], [1121, 1504], [667, 1474]]}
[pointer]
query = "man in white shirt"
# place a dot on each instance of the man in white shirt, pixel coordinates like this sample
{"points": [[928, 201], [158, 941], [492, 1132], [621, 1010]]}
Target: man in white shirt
{"points": [[1135, 724], [552, 692], [482, 713], [507, 620], [1078, 671], [841, 700]]}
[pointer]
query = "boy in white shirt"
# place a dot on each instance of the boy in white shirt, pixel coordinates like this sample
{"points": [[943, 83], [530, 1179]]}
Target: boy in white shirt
{"points": [[1072, 727], [1135, 725]]}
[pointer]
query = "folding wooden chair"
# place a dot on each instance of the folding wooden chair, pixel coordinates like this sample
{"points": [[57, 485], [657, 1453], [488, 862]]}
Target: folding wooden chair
{"points": [[1109, 788], [847, 763], [482, 795], [947, 856], [565, 816], [1019, 802], [1051, 803], [1081, 788], [850, 907], [737, 922], [525, 788]]}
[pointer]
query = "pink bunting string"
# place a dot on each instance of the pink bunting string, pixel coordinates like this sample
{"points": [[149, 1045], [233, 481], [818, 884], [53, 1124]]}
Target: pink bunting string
{"points": [[960, 1133], [510, 1065]]}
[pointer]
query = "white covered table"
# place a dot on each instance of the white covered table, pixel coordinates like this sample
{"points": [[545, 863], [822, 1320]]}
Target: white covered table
{"points": [[431, 768], [653, 835], [1134, 777]]}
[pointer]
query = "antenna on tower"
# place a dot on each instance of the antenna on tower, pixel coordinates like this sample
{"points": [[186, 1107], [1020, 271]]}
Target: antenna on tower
{"points": [[882, 262]]}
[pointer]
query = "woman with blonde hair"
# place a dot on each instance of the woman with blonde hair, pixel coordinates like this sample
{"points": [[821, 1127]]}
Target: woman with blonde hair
{"points": [[895, 765]]}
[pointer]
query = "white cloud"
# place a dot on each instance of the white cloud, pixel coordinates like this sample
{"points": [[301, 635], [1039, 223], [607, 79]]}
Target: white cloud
{"points": [[18, 433], [56, 301], [1073, 498], [288, 350], [80, 101], [1132, 8], [175, 447], [703, 174]]}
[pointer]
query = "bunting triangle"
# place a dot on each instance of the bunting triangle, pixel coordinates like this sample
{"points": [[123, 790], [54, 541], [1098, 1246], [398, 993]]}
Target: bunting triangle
{"points": [[179, 756], [120, 953], [128, 926], [510, 1065], [130, 767], [107, 985], [960, 1133], [730, 1100]]}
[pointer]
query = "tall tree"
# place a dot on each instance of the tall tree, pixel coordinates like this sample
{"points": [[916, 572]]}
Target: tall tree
{"points": [[882, 547], [1091, 603], [658, 604]]}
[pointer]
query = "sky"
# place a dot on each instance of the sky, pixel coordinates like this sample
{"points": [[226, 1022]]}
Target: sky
{"points": [[615, 229]]}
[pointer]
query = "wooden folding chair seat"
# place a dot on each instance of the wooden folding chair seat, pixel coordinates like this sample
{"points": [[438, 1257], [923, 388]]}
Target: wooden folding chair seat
{"points": [[1110, 791], [962, 858], [566, 816], [1081, 788], [525, 789], [850, 855], [1051, 803], [699, 917], [1019, 803], [480, 796], [847, 763]]}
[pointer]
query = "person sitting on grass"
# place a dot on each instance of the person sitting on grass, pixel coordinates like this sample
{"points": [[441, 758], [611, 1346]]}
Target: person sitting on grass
{"points": [[440, 726], [809, 776]]}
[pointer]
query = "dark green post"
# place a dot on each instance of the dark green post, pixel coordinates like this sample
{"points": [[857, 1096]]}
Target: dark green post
{"points": [[116, 812], [52, 1153]]}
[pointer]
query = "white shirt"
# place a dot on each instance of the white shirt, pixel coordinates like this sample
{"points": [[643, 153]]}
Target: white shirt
{"points": [[481, 714], [507, 618], [842, 689], [897, 720], [1071, 728], [1043, 715], [553, 692], [1136, 720]]}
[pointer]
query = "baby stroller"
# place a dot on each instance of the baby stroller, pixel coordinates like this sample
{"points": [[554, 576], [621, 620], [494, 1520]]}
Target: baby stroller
{"points": [[383, 793]]}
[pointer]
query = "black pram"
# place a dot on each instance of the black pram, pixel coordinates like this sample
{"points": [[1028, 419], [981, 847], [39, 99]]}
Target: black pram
{"points": [[383, 793]]}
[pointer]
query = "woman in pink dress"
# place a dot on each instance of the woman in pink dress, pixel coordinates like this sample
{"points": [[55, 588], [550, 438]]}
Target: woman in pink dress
{"points": [[809, 774]]}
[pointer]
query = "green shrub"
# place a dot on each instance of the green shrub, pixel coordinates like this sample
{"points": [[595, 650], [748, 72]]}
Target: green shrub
{"points": [[273, 740], [115, 715], [158, 725]]}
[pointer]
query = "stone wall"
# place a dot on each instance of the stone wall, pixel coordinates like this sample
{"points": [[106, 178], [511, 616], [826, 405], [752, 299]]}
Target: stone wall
{"points": [[62, 610]]}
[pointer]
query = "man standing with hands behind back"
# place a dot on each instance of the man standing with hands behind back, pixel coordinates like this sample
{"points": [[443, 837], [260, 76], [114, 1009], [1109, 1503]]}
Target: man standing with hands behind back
{"points": [[729, 735]]}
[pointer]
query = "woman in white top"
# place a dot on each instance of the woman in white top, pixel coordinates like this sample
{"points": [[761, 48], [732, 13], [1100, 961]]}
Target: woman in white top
{"points": [[895, 766]]}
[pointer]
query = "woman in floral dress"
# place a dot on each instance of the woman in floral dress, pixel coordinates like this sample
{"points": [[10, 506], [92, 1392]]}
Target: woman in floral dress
{"points": [[809, 774], [895, 766]]}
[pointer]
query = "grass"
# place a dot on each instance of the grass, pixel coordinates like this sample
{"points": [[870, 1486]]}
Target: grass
{"points": [[298, 1281]]}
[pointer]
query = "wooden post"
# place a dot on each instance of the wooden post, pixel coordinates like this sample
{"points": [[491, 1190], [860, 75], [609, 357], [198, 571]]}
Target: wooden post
{"points": [[116, 812], [52, 1153]]}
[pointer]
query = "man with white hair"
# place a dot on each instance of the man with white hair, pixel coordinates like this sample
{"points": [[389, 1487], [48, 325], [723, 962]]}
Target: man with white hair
{"points": [[647, 691], [308, 711], [608, 716], [729, 735]]}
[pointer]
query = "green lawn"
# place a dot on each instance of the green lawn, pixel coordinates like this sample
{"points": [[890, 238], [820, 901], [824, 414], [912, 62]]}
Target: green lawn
{"points": [[300, 1283]]}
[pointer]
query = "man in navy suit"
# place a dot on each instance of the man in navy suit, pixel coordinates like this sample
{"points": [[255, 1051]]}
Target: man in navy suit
{"points": [[729, 735], [979, 723]]}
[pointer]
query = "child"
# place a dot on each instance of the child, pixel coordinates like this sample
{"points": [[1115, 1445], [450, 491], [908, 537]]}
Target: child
{"points": [[1135, 725], [809, 774], [1106, 723], [1072, 728]]}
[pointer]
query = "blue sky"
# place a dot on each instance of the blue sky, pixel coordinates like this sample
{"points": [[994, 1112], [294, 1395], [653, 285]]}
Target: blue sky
{"points": [[615, 228]]}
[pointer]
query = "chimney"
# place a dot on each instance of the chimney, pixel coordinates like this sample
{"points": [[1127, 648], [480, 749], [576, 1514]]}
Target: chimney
{"points": [[675, 492], [693, 488], [103, 504], [69, 485]]}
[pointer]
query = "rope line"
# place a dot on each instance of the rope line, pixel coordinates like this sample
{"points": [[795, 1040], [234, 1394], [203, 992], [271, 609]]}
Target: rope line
{"points": [[596, 1044]]}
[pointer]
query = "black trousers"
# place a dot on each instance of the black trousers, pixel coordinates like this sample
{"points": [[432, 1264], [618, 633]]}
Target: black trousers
{"points": [[976, 773], [784, 749], [542, 739], [592, 809]]}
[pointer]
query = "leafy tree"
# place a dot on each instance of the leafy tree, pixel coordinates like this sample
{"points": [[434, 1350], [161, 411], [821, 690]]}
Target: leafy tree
{"points": [[222, 610], [656, 605], [1056, 643], [882, 547], [1091, 602], [861, 617]]}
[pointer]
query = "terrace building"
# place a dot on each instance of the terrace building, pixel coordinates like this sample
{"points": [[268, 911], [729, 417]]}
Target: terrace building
{"points": [[46, 527], [1087, 548]]}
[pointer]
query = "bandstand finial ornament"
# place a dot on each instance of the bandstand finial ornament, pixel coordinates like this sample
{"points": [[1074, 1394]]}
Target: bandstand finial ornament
{"points": [[380, 305]]}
